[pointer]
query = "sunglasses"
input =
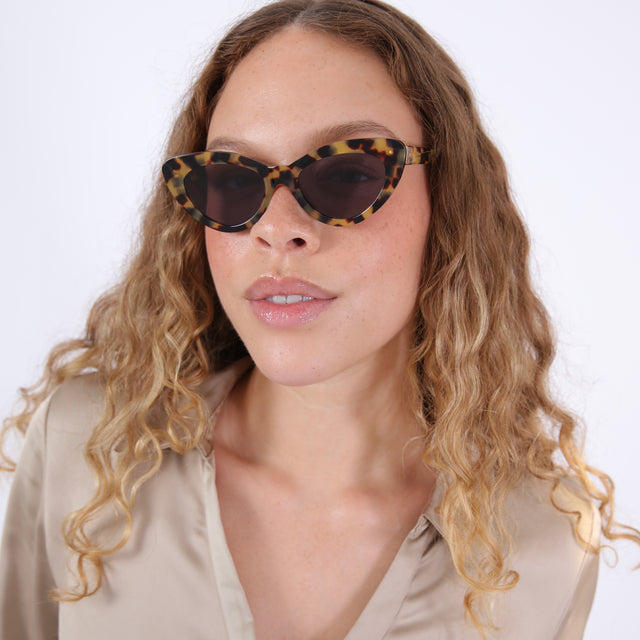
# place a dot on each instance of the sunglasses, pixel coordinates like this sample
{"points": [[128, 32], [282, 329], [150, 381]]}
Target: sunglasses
{"points": [[340, 184]]}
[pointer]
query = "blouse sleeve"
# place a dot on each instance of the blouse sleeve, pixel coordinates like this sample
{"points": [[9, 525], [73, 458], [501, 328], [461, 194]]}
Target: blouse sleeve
{"points": [[26, 612]]}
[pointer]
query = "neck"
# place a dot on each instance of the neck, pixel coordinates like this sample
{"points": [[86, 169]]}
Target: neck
{"points": [[356, 430]]}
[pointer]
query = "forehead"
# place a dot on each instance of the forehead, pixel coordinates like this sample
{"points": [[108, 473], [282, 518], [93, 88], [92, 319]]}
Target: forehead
{"points": [[299, 83]]}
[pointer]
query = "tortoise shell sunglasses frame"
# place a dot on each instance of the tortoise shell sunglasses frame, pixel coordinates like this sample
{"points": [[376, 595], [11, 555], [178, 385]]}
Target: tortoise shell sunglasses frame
{"points": [[392, 154]]}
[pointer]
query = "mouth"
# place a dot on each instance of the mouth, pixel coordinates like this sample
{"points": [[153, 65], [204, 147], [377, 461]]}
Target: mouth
{"points": [[286, 291], [286, 303], [288, 299]]}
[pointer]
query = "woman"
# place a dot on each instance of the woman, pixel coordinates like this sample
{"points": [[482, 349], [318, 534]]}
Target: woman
{"points": [[325, 413]]}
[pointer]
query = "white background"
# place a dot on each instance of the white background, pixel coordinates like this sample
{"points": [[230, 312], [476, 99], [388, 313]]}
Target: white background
{"points": [[89, 91]]}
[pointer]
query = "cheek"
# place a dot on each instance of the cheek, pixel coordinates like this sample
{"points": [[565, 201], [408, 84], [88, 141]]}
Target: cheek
{"points": [[387, 265], [396, 241], [221, 249], [213, 251], [223, 255]]}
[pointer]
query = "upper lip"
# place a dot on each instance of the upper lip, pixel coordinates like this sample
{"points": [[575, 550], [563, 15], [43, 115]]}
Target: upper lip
{"points": [[267, 286]]}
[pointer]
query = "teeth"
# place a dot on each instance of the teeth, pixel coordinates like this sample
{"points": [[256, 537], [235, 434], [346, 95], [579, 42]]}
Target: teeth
{"points": [[288, 299]]}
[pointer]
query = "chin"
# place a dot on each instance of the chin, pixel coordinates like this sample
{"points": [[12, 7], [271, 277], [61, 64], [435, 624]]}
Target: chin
{"points": [[293, 372], [299, 368], [304, 358]]}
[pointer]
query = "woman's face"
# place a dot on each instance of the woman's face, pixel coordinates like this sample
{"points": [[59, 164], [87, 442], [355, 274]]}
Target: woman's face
{"points": [[294, 92]]}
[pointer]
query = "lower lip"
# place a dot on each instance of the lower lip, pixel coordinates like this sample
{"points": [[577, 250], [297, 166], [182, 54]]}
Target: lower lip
{"points": [[288, 316]]}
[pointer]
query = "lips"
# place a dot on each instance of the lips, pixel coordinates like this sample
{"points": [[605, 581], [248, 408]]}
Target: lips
{"points": [[266, 287], [286, 303]]}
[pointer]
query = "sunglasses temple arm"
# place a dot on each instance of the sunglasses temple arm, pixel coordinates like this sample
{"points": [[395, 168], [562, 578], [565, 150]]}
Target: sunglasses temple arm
{"points": [[419, 155]]}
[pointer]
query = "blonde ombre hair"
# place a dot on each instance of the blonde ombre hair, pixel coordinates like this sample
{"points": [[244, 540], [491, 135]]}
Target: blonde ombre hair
{"points": [[483, 345]]}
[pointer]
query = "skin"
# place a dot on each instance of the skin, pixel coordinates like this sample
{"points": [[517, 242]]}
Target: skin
{"points": [[318, 460]]}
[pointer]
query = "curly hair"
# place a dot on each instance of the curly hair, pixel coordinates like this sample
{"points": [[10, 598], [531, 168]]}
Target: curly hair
{"points": [[483, 343]]}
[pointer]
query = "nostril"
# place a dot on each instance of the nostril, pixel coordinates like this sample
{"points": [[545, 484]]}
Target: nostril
{"points": [[299, 242]]}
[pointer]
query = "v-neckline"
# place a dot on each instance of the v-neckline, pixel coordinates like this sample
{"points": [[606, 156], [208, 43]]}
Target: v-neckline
{"points": [[377, 616], [380, 611]]}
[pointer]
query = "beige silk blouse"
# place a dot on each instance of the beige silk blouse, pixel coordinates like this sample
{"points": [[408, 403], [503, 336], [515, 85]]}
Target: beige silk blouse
{"points": [[175, 578]]}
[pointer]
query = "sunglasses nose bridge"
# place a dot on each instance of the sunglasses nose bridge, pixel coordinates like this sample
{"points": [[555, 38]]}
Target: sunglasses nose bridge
{"points": [[282, 175], [278, 176]]}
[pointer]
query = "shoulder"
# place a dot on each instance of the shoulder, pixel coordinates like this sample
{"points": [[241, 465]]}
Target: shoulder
{"points": [[548, 523], [557, 572], [70, 412], [538, 509], [75, 407], [64, 424]]}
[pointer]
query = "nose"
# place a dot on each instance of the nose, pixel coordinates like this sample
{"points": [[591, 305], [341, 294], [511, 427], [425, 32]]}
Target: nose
{"points": [[285, 226]]}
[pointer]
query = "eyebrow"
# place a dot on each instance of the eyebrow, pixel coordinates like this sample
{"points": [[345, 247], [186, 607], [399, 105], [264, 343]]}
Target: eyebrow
{"points": [[327, 135], [348, 130]]}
